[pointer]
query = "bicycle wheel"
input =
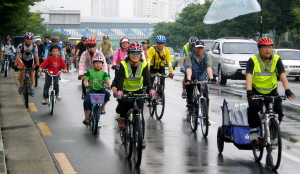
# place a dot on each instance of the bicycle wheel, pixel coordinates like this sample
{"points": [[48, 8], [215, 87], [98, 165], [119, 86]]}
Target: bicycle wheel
{"points": [[275, 148], [220, 140], [204, 117], [36, 77], [5, 69], [128, 137], [193, 117], [160, 105], [51, 106], [152, 107], [26, 91], [137, 141], [258, 149], [95, 119]]}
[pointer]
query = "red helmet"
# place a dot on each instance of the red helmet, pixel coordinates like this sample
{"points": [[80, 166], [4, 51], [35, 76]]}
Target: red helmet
{"points": [[91, 42], [29, 36], [265, 41], [134, 47], [54, 38]]}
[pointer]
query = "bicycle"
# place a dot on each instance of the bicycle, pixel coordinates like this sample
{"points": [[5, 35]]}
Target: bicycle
{"points": [[158, 105], [269, 134], [97, 100], [6, 66], [26, 84], [51, 92], [68, 62], [37, 73], [132, 133], [199, 108]]}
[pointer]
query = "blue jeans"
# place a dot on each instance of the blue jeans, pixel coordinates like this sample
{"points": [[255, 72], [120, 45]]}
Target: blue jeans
{"points": [[10, 58], [87, 105]]}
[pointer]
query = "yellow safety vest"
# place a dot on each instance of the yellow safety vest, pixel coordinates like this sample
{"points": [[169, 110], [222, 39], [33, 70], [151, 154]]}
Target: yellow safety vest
{"points": [[187, 49], [133, 82], [264, 78]]}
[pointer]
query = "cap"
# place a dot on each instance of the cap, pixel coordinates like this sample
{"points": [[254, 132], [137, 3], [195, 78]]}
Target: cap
{"points": [[38, 39], [145, 42], [199, 44], [124, 40]]}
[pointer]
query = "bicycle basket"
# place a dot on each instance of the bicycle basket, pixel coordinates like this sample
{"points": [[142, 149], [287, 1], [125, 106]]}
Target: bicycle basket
{"points": [[97, 98]]}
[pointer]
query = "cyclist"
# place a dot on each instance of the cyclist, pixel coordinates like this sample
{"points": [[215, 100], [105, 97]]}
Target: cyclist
{"points": [[261, 78], [95, 78], [132, 77], [145, 45], [9, 51], [27, 55], [54, 41], [41, 49], [86, 61], [106, 48], [75, 48], [54, 63], [157, 55], [81, 46], [198, 67], [188, 48], [120, 54], [47, 40], [68, 50]]}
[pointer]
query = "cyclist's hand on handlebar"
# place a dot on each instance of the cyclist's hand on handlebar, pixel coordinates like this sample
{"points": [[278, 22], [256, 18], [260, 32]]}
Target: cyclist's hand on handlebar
{"points": [[115, 67], [152, 93], [171, 75], [182, 70], [15, 68], [40, 69], [119, 94], [250, 93], [213, 81], [290, 94], [187, 82], [65, 71], [36, 67], [80, 77]]}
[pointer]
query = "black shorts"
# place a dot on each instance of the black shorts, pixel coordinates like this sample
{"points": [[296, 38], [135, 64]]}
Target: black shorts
{"points": [[108, 60], [28, 64]]}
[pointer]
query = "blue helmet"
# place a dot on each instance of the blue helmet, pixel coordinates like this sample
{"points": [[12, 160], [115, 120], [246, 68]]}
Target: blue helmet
{"points": [[161, 39]]}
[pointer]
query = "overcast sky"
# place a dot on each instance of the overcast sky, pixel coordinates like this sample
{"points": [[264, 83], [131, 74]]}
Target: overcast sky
{"points": [[83, 5]]}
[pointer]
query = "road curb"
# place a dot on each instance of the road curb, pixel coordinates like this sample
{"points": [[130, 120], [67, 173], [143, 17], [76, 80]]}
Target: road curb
{"points": [[2, 157]]}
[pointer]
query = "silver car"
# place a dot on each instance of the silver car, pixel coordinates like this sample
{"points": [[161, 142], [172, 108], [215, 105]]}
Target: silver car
{"points": [[291, 61], [229, 58]]}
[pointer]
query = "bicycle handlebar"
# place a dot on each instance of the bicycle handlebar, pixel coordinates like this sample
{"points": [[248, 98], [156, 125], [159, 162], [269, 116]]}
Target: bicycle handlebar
{"points": [[254, 97], [159, 75], [50, 73], [133, 95]]}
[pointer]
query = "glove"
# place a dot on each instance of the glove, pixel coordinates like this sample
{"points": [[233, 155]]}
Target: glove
{"points": [[187, 80], [152, 93], [119, 94], [213, 81], [171, 75], [182, 70], [113, 67], [15, 67], [250, 93], [80, 77], [36, 67], [288, 93]]}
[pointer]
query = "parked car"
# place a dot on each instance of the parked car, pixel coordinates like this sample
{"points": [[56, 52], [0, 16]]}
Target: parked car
{"points": [[229, 58], [174, 59], [291, 61]]}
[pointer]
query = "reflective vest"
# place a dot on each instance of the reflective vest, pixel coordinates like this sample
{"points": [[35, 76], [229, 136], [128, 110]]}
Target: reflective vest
{"points": [[264, 78], [186, 47], [133, 82]]}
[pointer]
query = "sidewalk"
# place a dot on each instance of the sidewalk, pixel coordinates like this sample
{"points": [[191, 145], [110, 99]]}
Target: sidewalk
{"points": [[22, 148]]}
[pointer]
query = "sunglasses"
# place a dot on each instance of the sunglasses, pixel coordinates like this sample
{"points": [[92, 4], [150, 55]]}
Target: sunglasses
{"points": [[91, 46], [135, 53]]}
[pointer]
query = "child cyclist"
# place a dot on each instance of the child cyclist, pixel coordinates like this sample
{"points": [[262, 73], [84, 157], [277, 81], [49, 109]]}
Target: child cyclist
{"points": [[54, 63], [95, 78]]}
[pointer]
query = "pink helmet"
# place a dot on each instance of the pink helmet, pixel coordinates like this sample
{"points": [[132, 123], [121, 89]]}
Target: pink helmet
{"points": [[134, 47], [91, 41], [29, 36]]}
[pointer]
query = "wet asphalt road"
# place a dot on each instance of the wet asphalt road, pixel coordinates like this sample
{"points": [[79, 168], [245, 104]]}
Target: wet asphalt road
{"points": [[171, 146]]}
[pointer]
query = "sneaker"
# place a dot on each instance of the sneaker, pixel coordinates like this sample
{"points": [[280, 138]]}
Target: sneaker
{"points": [[117, 116], [253, 137], [31, 92], [20, 89], [58, 97], [86, 121], [184, 94], [103, 111], [121, 122], [144, 143], [44, 101]]}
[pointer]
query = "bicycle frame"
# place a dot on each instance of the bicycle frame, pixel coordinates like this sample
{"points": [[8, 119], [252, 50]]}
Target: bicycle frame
{"points": [[157, 80]]}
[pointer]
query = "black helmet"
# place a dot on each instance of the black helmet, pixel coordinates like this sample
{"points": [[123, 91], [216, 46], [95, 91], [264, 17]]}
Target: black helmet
{"points": [[84, 38]]}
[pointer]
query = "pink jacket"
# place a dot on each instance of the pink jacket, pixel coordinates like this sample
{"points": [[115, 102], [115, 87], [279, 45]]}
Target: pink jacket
{"points": [[119, 56], [86, 63]]}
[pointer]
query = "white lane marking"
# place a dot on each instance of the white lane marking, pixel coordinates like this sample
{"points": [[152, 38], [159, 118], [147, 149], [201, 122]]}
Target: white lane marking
{"points": [[63, 80], [292, 157]]}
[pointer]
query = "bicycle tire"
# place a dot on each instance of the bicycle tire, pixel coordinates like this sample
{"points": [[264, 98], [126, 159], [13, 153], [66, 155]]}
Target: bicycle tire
{"points": [[36, 78], [26, 91], [159, 111], [152, 107], [258, 149], [51, 102], [95, 119], [220, 140], [128, 137], [137, 141], [204, 117], [5, 69], [193, 117], [274, 159], [68, 66]]}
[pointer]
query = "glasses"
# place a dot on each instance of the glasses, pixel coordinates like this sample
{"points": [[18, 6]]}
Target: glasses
{"points": [[92, 46], [135, 53]]}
